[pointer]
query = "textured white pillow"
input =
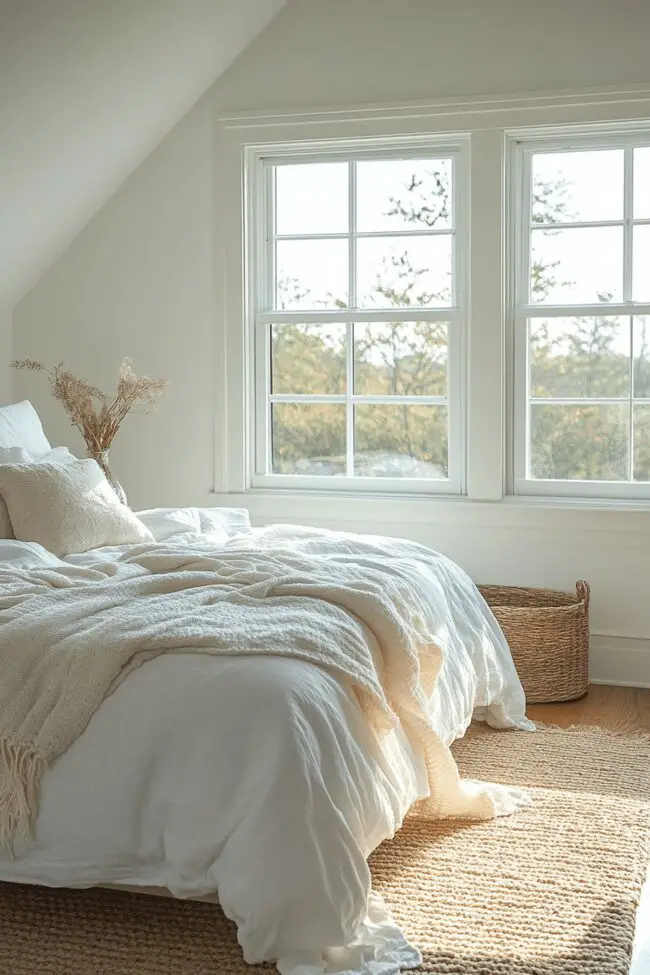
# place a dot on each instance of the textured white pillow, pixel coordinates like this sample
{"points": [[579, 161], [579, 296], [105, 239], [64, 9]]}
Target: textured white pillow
{"points": [[67, 507], [18, 455], [9, 455], [20, 426], [6, 531]]}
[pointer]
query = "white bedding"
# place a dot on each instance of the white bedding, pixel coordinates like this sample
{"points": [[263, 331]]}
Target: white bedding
{"points": [[257, 777]]}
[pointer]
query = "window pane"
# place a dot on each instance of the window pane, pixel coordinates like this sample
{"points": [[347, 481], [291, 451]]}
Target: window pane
{"points": [[642, 182], [642, 357], [404, 194], [577, 186], [312, 274], [579, 357], [587, 443], [577, 266], [642, 443], [405, 358], [312, 198], [308, 359], [399, 272], [400, 441], [308, 438], [641, 269]]}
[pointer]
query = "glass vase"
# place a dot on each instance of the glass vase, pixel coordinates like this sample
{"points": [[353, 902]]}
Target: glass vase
{"points": [[101, 456]]}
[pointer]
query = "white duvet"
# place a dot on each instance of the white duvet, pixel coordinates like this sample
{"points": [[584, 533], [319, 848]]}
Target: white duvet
{"points": [[256, 777]]}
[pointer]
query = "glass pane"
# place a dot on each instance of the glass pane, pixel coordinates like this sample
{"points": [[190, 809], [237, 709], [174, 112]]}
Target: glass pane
{"points": [[312, 274], [308, 359], [404, 358], [642, 443], [400, 441], [404, 194], [312, 198], [308, 438], [642, 357], [579, 357], [398, 272], [642, 182], [578, 186], [579, 443], [641, 268], [577, 266]]}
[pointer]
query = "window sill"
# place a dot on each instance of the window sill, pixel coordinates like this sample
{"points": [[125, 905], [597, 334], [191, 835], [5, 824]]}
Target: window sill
{"points": [[579, 504], [392, 513]]}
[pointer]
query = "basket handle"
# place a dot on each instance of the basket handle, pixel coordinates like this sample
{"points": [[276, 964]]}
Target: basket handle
{"points": [[583, 592]]}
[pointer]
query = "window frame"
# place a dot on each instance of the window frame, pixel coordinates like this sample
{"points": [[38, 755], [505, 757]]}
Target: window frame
{"points": [[259, 279], [522, 145]]}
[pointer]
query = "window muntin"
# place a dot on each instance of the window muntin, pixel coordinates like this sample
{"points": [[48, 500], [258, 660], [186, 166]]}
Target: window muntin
{"points": [[581, 406], [358, 320]]}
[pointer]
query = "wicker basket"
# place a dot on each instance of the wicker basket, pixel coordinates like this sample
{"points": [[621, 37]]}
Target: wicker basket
{"points": [[548, 634]]}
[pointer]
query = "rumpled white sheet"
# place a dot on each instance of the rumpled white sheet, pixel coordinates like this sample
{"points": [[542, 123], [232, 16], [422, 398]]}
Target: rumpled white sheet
{"points": [[257, 778]]}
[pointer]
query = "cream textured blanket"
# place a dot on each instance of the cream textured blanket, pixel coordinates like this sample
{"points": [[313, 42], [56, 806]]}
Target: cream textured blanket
{"points": [[365, 609]]}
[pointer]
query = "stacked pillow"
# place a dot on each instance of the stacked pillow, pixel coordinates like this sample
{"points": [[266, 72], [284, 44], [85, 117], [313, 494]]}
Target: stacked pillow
{"points": [[20, 426], [50, 497], [22, 435], [18, 455]]}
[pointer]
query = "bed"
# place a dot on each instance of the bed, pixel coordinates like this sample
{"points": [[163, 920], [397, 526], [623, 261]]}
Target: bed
{"points": [[191, 704], [255, 776]]}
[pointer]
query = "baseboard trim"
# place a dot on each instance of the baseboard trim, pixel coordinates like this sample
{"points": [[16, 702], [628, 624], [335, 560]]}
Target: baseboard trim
{"points": [[620, 660]]}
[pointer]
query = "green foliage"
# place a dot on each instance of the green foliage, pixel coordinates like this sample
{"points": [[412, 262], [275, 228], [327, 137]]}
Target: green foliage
{"points": [[583, 358], [572, 358], [389, 358]]}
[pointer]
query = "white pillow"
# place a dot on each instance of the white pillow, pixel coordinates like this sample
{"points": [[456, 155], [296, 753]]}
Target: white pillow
{"points": [[6, 531], [18, 455], [164, 523], [220, 523], [67, 507], [227, 521], [20, 426]]}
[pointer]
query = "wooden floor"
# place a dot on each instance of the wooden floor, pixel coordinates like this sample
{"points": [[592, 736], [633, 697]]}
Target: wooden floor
{"points": [[618, 708]]}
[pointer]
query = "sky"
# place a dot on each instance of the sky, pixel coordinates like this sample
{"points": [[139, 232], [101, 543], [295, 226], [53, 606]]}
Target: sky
{"points": [[586, 263], [313, 198], [591, 259]]}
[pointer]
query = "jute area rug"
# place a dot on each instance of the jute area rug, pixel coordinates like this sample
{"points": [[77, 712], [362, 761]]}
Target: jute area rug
{"points": [[550, 891]]}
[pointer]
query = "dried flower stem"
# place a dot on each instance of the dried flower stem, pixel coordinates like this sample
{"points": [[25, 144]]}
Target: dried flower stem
{"points": [[97, 415]]}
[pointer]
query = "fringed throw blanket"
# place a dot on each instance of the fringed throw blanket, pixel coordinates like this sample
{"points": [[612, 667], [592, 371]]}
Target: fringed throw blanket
{"points": [[371, 611]]}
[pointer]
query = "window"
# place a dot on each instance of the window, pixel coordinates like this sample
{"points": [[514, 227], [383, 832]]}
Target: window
{"points": [[395, 334], [357, 307], [582, 316]]}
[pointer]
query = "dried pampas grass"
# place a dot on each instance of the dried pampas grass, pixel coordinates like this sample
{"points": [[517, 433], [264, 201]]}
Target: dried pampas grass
{"points": [[98, 415]]}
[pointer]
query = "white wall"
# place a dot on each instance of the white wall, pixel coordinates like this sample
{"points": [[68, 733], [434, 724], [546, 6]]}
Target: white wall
{"points": [[89, 88], [139, 281], [341, 52], [6, 354], [141, 278]]}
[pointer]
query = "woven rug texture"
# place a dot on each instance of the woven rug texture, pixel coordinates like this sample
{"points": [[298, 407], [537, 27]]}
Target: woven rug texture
{"points": [[552, 890]]}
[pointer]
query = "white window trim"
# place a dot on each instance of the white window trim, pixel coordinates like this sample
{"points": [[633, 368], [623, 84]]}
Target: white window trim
{"points": [[258, 163], [492, 122], [520, 147]]}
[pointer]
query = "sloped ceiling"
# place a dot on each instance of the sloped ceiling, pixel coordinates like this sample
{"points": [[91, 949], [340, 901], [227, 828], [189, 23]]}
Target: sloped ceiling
{"points": [[88, 88]]}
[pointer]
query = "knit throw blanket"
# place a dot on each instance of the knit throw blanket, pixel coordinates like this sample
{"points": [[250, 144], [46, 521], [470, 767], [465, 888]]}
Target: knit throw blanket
{"points": [[363, 609]]}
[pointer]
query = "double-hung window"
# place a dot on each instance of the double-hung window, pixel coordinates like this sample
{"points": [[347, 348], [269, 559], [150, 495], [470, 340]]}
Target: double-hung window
{"points": [[581, 254], [356, 297]]}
